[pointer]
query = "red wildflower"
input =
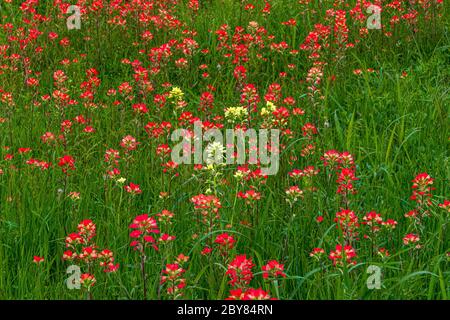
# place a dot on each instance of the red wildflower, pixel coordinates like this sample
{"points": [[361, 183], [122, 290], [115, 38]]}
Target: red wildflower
{"points": [[144, 226], [410, 238], [240, 271], [422, 187], [87, 281], [345, 180], [343, 255], [66, 163], [273, 269], [133, 188], [129, 143], [38, 260], [256, 294]]}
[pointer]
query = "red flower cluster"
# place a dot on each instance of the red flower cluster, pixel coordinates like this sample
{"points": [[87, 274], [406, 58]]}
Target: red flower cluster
{"points": [[273, 269], [249, 294], [422, 187], [345, 181], [240, 271], [66, 163], [83, 250], [343, 255], [225, 242], [347, 221], [172, 278], [208, 207], [250, 196], [411, 239], [133, 188], [144, 227]]}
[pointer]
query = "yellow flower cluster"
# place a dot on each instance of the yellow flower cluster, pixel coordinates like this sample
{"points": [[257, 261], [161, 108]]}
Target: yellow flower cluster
{"points": [[234, 114], [270, 107], [176, 94]]}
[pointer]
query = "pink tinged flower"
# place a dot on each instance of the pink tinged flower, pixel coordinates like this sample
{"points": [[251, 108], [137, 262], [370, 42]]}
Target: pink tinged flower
{"points": [[240, 271], [149, 239], [111, 268], [206, 251], [343, 255], [317, 253], [129, 143], [69, 255], [135, 234], [224, 240], [166, 238], [133, 188], [256, 294], [445, 205], [410, 238], [38, 260], [87, 281], [236, 294], [273, 269], [144, 226]]}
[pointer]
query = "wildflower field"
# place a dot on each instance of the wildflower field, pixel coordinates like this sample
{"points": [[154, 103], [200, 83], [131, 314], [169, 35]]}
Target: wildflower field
{"points": [[115, 182]]}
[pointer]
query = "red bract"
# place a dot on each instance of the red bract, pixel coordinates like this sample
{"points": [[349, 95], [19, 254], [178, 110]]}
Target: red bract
{"points": [[331, 158], [445, 205], [38, 260], [206, 251], [86, 229], [48, 137], [422, 187], [256, 294], [317, 253], [144, 227], [172, 278], [85, 252], [249, 294], [165, 216], [132, 188], [163, 150], [107, 261], [66, 163], [293, 194], [309, 130], [250, 196], [225, 242], [345, 181], [208, 206], [411, 239], [139, 108], [169, 167], [273, 269], [87, 281], [38, 164], [166, 238], [389, 224], [347, 221], [236, 294], [240, 271], [129, 143], [74, 239], [112, 157], [88, 255], [342, 255], [373, 220]]}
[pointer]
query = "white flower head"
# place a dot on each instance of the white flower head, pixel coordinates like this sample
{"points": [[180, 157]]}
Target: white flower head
{"points": [[215, 151], [121, 180]]}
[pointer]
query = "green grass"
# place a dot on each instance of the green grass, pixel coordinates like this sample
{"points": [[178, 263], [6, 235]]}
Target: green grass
{"points": [[394, 127]]}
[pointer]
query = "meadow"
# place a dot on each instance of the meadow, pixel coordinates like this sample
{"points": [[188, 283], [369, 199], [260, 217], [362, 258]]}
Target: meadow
{"points": [[92, 205]]}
